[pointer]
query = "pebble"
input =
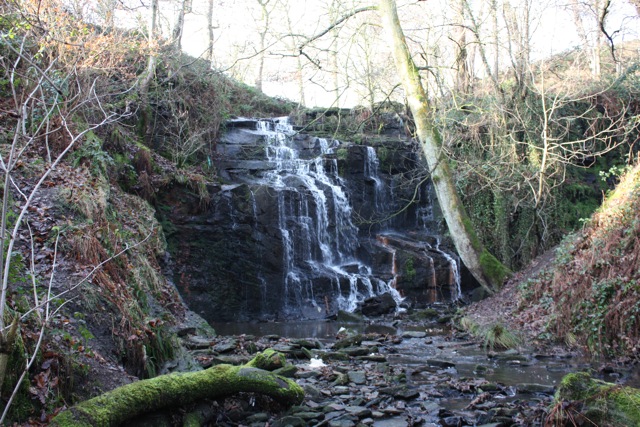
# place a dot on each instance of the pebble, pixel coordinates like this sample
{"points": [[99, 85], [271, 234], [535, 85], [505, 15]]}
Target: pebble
{"points": [[357, 377]]}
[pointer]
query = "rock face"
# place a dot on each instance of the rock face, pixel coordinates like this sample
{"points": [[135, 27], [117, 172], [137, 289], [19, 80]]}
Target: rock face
{"points": [[305, 227]]}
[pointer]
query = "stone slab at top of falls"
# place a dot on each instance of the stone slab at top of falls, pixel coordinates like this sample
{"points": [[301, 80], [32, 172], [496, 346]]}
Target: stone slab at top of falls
{"points": [[295, 230]]}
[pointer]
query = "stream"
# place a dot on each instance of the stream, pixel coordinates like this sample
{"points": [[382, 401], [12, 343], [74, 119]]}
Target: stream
{"points": [[401, 372]]}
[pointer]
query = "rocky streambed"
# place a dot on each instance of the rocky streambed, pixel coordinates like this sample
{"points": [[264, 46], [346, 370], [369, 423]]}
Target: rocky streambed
{"points": [[392, 372]]}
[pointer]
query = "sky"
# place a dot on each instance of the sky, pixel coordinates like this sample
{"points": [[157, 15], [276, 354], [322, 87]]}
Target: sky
{"points": [[553, 31]]}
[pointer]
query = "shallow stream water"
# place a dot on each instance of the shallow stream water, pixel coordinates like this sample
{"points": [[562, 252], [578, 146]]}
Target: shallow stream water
{"points": [[441, 344]]}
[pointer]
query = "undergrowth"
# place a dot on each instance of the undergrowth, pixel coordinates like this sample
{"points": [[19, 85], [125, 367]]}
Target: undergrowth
{"points": [[592, 294]]}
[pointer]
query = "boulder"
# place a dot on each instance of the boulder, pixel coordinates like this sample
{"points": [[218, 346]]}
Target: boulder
{"points": [[582, 398], [379, 305]]}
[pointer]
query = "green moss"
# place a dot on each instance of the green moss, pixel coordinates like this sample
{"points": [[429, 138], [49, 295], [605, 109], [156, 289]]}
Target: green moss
{"points": [[428, 313], [117, 406], [601, 403], [23, 406], [494, 270], [409, 270], [475, 242]]}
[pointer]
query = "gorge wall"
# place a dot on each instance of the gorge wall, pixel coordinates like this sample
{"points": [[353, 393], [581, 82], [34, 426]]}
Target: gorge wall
{"points": [[304, 226]]}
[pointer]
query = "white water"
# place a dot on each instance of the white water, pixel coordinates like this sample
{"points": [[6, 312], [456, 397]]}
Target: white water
{"points": [[314, 218], [321, 268]]}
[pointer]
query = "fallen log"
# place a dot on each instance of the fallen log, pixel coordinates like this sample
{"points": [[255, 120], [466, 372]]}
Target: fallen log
{"points": [[180, 389]]}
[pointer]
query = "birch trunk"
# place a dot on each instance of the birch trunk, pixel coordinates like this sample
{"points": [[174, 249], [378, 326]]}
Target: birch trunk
{"points": [[489, 272]]}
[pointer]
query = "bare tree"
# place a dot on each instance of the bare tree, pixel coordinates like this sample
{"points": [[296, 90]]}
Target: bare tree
{"points": [[489, 272], [149, 74], [46, 98], [184, 7], [210, 28]]}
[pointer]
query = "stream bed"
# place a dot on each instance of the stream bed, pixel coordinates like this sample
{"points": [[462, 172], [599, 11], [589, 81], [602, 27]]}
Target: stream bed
{"points": [[395, 372]]}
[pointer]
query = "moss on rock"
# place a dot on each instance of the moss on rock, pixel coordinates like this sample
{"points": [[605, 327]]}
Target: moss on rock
{"points": [[115, 407], [601, 403]]}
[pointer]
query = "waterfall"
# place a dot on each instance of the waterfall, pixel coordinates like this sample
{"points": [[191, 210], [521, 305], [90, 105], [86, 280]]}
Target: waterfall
{"points": [[371, 166], [303, 231], [454, 273], [315, 223]]}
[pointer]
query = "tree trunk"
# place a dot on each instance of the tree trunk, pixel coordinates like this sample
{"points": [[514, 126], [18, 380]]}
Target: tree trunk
{"points": [[178, 28], [145, 80], [210, 33], [489, 272], [265, 16], [463, 73], [7, 341], [174, 390]]}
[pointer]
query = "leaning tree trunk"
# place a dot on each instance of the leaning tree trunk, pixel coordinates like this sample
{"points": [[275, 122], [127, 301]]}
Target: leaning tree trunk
{"points": [[174, 390], [489, 272]]}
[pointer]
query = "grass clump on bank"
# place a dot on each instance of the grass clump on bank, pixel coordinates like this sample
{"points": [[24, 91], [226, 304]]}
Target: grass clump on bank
{"points": [[493, 336]]}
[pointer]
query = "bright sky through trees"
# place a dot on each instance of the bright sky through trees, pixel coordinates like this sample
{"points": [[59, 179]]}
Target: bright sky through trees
{"points": [[338, 64]]}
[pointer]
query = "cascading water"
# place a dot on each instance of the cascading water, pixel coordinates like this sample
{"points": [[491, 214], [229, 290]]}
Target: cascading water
{"points": [[304, 226], [315, 222]]}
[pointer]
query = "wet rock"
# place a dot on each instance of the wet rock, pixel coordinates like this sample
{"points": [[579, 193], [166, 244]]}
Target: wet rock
{"points": [[491, 387], [335, 355], [391, 422], [346, 317], [232, 359], [197, 343], [183, 332], [427, 313], [342, 423], [340, 390], [341, 379], [288, 371], [307, 374], [379, 358], [260, 417], [309, 416], [358, 411], [379, 305], [444, 319], [400, 392], [357, 377], [290, 421], [334, 407], [441, 364], [356, 351], [226, 346], [535, 388], [308, 354], [309, 344], [289, 349], [311, 391], [414, 334], [454, 421], [350, 341]]}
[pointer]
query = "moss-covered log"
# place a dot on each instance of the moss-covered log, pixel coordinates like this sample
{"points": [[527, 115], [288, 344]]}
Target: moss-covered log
{"points": [[584, 399], [115, 407]]}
